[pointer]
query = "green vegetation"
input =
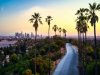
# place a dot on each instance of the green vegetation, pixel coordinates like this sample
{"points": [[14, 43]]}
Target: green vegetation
{"points": [[24, 63]]}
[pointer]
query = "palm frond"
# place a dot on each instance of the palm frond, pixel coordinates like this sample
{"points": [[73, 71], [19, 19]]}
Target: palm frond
{"points": [[40, 21], [34, 16], [87, 10], [78, 11], [94, 5], [96, 18], [98, 7], [31, 20], [89, 17], [91, 7]]}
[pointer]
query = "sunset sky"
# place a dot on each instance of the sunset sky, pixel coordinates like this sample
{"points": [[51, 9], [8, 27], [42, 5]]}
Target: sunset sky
{"points": [[14, 15]]}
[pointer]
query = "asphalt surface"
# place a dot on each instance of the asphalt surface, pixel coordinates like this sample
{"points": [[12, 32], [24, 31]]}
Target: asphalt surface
{"points": [[68, 65]]}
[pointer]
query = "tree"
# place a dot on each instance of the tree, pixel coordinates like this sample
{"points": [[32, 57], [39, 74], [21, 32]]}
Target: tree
{"points": [[81, 18], [27, 72], [93, 19], [55, 28], [64, 31], [60, 35], [60, 31], [60, 43], [32, 53], [5, 51], [14, 58], [46, 48], [42, 52], [5, 64], [48, 19], [21, 71], [20, 57], [27, 56], [37, 18]]}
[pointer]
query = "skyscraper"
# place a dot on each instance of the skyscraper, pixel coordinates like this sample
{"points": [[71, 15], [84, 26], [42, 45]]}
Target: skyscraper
{"points": [[21, 34], [31, 34], [16, 34], [25, 35]]}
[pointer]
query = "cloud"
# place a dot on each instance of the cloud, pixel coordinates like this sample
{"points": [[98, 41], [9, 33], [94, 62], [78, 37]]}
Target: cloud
{"points": [[2, 9]]}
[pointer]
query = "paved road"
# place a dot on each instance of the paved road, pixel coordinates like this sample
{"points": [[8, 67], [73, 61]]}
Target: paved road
{"points": [[68, 65]]}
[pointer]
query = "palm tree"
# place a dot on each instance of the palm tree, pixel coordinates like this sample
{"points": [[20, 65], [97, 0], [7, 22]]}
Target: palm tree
{"points": [[60, 31], [65, 39], [64, 31], [55, 28], [93, 19], [37, 19], [60, 36], [48, 19], [85, 31], [81, 17]]}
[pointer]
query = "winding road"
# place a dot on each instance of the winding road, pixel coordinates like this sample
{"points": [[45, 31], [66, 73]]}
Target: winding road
{"points": [[68, 65]]}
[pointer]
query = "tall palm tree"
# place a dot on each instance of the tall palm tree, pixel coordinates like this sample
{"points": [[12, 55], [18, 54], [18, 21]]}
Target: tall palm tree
{"points": [[78, 28], [65, 39], [64, 31], [93, 19], [80, 13], [48, 19], [60, 36], [85, 31], [55, 28], [60, 31], [37, 19]]}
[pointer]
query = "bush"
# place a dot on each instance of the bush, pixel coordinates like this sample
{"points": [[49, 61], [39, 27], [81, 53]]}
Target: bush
{"points": [[21, 70], [42, 65], [27, 72], [42, 52], [32, 53], [91, 68], [60, 43], [14, 58], [27, 56], [20, 57]]}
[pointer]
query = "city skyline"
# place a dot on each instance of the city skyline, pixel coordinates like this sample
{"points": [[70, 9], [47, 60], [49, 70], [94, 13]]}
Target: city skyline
{"points": [[14, 16]]}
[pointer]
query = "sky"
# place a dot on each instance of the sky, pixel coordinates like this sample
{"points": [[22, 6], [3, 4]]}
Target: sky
{"points": [[15, 15]]}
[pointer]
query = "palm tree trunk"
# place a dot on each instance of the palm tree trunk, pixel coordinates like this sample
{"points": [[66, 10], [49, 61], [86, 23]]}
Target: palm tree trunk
{"points": [[49, 48], [78, 44], [85, 53], [60, 44], [95, 50], [55, 48], [35, 50], [81, 54], [79, 50]]}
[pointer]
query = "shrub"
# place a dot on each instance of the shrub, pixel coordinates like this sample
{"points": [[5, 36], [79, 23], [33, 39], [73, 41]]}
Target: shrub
{"points": [[27, 56], [27, 72], [14, 58], [21, 70]]}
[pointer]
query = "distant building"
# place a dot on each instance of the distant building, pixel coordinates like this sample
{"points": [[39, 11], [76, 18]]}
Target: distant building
{"points": [[27, 35], [16, 34], [31, 34], [37, 35]]}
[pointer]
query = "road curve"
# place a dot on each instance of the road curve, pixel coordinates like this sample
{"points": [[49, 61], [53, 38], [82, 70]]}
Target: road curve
{"points": [[68, 65]]}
